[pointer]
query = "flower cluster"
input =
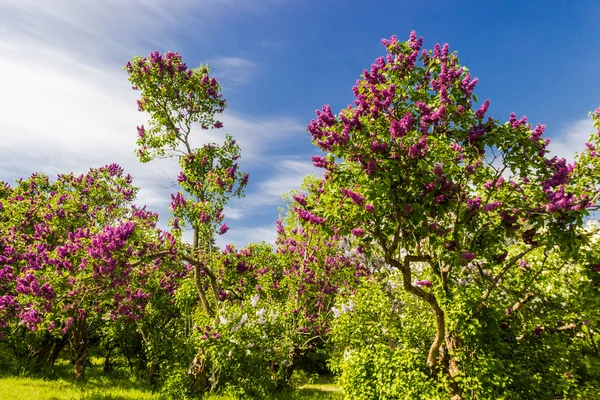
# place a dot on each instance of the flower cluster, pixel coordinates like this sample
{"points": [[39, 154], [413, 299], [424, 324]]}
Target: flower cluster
{"points": [[76, 252]]}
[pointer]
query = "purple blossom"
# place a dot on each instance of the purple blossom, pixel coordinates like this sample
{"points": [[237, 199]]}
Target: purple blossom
{"points": [[204, 217], [515, 123], [177, 201], [300, 198], [224, 228], [309, 217], [492, 206], [68, 323], [476, 133], [377, 147], [319, 162], [537, 133], [371, 167], [354, 197], [245, 179], [419, 149], [480, 113], [426, 283], [358, 232], [473, 204], [400, 128]]}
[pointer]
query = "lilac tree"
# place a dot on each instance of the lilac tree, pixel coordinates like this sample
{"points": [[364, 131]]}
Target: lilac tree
{"points": [[451, 199], [177, 99], [75, 253]]}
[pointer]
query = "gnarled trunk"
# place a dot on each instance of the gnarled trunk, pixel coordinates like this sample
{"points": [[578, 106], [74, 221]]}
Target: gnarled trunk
{"points": [[198, 372]]}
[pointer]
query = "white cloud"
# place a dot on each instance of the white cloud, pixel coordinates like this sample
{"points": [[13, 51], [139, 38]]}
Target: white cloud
{"points": [[573, 140], [111, 29], [289, 175], [258, 137], [241, 236], [67, 106]]}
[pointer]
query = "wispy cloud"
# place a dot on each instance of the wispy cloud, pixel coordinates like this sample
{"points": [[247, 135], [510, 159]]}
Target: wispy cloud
{"points": [[234, 70], [288, 175], [108, 30]]}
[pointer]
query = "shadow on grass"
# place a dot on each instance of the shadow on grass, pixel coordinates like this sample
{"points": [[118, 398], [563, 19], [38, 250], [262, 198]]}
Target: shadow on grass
{"points": [[99, 396], [312, 393]]}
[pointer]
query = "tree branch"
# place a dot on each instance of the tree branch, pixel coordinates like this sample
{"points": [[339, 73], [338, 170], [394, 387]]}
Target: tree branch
{"points": [[553, 330], [496, 279], [440, 322], [522, 302]]}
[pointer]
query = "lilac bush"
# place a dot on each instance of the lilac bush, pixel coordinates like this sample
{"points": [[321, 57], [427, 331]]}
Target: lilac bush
{"points": [[77, 252]]}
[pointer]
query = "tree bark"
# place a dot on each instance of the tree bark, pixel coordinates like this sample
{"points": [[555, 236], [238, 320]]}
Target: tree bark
{"points": [[453, 368], [79, 348], [198, 372]]}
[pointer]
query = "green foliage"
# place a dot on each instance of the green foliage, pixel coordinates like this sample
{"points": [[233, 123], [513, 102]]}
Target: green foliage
{"points": [[378, 339]]}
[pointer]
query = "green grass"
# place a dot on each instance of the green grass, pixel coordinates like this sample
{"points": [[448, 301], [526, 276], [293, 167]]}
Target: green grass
{"points": [[16, 388], [101, 387], [320, 388]]}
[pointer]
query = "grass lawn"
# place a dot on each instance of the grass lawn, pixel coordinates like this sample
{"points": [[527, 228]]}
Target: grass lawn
{"points": [[16, 388], [100, 387]]}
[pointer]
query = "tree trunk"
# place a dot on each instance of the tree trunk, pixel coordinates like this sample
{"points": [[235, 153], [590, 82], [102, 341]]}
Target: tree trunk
{"points": [[452, 367], [153, 371], [441, 351], [108, 365], [79, 349], [48, 351], [198, 372]]}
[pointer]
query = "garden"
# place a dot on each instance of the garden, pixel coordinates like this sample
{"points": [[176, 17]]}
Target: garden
{"points": [[441, 254]]}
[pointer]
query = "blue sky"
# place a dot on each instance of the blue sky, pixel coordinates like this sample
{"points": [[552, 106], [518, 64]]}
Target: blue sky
{"points": [[67, 106]]}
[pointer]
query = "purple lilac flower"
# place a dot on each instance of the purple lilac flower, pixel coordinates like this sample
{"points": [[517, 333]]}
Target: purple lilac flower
{"points": [[300, 198], [426, 283], [319, 162], [480, 113], [358, 232], [419, 149], [224, 228], [354, 197]]}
